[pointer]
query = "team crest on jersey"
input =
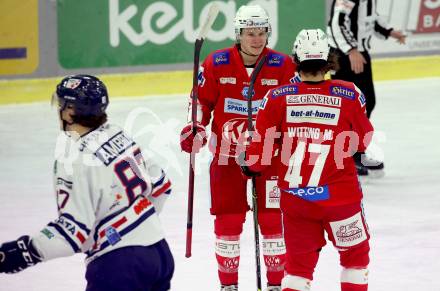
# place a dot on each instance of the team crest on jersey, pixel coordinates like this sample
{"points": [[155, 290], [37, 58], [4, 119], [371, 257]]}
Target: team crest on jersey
{"points": [[234, 131], [362, 100], [221, 58], [275, 60], [342, 92], [284, 90], [72, 83], [245, 92]]}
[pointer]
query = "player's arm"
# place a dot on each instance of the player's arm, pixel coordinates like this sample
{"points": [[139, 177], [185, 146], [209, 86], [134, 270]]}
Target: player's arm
{"points": [[207, 96], [339, 25], [77, 201], [61, 237], [161, 185], [207, 92]]}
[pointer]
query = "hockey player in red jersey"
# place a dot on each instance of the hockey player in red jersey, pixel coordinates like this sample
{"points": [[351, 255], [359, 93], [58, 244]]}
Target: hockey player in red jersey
{"points": [[318, 125], [223, 82]]}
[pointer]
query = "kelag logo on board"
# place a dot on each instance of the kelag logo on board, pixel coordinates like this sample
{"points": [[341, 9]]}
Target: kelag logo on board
{"points": [[111, 33], [161, 21]]}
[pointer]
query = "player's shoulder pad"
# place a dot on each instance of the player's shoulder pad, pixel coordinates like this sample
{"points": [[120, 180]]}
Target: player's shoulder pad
{"points": [[343, 89], [221, 57], [275, 59], [290, 89]]}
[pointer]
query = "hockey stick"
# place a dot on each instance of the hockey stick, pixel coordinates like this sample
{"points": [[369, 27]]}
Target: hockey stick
{"points": [[250, 127], [212, 15]]}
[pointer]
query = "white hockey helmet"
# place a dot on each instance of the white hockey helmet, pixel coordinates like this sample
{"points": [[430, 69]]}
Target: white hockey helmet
{"points": [[251, 16], [311, 44]]}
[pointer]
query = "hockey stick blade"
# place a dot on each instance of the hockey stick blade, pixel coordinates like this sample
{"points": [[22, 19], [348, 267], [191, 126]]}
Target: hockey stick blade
{"points": [[212, 15]]}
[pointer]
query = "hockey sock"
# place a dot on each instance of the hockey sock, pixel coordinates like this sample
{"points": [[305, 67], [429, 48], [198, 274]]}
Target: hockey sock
{"points": [[295, 283], [274, 248], [274, 253], [227, 252], [354, 279], [228, 228]]}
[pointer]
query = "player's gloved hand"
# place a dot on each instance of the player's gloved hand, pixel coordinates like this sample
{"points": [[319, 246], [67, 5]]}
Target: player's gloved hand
{"points": [[190, 142], [244, 167], [15, 256]]}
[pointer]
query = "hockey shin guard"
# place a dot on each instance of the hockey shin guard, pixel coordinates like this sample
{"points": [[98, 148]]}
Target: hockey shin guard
{"points": [[274, 253], [227, 252], [295, 283], [354, 279]]}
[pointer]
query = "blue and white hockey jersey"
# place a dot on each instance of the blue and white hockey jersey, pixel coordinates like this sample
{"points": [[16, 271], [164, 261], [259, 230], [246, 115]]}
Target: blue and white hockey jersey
{"points": [[108, 196]]}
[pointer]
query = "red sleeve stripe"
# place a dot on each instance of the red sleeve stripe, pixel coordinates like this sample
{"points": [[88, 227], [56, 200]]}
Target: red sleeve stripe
{"points": [[162, 189], [81, 238]]}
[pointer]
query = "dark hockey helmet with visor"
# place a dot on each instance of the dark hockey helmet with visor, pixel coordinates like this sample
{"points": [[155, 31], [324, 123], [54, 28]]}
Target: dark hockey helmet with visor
{"points": [[87, 94]]}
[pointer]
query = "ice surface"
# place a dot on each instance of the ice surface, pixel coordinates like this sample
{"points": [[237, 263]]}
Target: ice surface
{"points": [[402, 209]]}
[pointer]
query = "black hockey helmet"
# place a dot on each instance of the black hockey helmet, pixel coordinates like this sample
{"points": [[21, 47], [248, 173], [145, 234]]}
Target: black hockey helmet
{"points": [[86, 93]]}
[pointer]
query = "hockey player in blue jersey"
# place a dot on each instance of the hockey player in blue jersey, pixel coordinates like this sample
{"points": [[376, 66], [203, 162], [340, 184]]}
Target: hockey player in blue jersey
{"points": [[108, 197]]}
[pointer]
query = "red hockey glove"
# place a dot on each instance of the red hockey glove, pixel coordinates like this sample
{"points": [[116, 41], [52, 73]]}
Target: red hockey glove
{"points": [[190, 142], [17, 255]]}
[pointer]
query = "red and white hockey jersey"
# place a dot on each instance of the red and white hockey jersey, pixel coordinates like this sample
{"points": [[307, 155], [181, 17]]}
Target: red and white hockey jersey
{"points": [[223, 84], [107, 195], [317, 126]]}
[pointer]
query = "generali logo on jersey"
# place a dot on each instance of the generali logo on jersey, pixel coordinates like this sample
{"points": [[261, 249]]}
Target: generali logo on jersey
{"points": [[162, 22]]}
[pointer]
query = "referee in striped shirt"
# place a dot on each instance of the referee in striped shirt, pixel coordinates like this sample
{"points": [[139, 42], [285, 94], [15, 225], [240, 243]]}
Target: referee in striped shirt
{"points": [[351, 26]]}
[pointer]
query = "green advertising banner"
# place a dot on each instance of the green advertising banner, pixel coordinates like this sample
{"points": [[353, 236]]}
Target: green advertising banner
{"points": [[111, 33]]}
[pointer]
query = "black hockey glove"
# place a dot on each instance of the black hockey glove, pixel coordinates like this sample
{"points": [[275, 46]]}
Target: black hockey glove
{"points": [[244, 168], [247, 172], [15, 256]]}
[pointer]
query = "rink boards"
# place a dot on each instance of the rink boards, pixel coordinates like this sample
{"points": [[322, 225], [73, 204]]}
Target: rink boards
{"points": [[179, 82]]}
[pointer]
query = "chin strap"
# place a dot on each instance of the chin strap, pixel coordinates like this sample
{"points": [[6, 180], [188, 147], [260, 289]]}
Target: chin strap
{"points": [[248, 54]]}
